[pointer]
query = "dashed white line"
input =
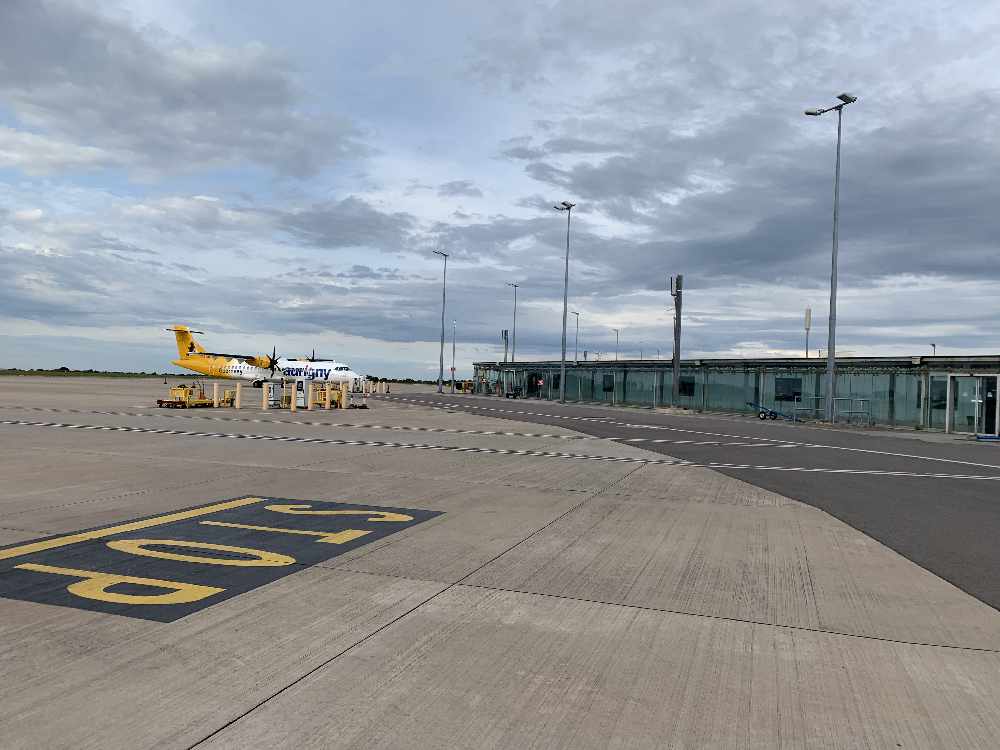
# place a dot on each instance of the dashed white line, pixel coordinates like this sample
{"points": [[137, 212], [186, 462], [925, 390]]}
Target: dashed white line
{"points": [[494, 451], [765, 442]]}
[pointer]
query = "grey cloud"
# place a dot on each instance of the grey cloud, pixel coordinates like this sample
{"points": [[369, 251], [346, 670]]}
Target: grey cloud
{"points": [[123, 248], [568, 145], [87, 289], [536, 201], [105, 93], [351, 222], [415, 186], [361, 272], [680, 133], [523, 152], [559, 146], [520, 148], [460, 187]]}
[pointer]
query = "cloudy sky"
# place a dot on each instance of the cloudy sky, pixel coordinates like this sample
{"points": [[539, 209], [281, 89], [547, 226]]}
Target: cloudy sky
{"points": [[278, 174]]}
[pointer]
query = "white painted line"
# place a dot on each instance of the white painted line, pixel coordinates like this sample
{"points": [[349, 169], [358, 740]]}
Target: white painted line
{"points": [[501, 451], [779, 443]]}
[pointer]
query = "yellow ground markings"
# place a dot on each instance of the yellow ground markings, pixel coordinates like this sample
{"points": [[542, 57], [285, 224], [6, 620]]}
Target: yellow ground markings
{"points": [[306, 510], [326, 537], [95, 586], [86, 536], [259, 558]]}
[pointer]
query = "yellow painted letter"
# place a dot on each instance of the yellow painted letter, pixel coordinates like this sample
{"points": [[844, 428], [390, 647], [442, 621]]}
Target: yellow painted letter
{"points": [[95, 586], [326, 537], [261, 558], [373, 515]]}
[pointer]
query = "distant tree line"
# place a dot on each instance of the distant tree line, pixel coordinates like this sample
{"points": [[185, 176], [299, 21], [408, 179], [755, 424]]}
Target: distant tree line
{"points": [[67, 372], [405, 381]]}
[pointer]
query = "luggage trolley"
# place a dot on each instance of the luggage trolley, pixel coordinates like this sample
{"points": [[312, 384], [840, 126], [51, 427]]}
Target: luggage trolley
{"points": [[764, 412]]}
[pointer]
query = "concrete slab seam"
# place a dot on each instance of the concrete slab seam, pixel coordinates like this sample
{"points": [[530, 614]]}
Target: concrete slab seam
{"points": [[727, 618], [413, 609]]}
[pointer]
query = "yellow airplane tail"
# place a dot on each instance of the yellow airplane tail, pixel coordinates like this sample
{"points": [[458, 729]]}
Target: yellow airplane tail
{"points": [[186, 344]]}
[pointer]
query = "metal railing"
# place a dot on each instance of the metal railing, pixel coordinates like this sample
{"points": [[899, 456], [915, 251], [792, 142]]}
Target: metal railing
{"points": [[816, 409], [860, 408]]}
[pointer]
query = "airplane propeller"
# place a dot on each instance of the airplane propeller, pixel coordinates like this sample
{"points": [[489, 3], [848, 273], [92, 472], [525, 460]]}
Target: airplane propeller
{"points": [[272, 360]]}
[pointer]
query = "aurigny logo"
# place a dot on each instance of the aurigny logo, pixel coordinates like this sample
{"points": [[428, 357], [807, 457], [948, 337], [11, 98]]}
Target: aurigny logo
{"points": [[309, 373]]}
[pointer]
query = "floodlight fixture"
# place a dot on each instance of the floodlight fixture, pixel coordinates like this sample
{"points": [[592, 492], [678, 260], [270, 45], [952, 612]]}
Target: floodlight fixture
{"points": [[814, 112]]}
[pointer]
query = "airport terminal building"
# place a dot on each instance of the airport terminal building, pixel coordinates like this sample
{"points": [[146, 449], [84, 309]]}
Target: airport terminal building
{"points": [[953, 394]]}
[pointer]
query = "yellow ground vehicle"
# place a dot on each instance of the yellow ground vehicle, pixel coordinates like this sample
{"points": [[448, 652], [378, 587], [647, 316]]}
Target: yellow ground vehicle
{"points": [[185, 397]]}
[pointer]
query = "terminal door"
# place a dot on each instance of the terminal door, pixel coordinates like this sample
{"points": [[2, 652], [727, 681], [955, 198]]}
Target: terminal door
{"points": [[972, 404], [988, 405]]}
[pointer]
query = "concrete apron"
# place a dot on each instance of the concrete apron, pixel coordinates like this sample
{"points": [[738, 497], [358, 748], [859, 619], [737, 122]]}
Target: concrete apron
{"points": [[553, 603]]}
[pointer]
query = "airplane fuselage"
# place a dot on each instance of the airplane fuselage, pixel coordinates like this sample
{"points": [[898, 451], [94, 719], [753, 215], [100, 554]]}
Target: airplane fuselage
{"points": [[286, 369], [257, 368]]}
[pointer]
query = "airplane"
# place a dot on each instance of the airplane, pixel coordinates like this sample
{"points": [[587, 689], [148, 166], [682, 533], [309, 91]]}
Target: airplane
{"points": [[258, 368]]}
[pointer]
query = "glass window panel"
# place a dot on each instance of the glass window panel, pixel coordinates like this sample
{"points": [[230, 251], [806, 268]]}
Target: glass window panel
{"points": [[729, 391], [938, 401], [964, 404], [787, 388], [639, 388], [906, 400]]}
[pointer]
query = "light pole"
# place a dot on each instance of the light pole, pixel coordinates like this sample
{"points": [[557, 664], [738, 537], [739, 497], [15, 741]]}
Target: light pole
{"points": [[934, 350], [454, 326], [444, 286], [576, 343], [568, 208], [677, 292], [831, 344], [617, 331], [809, 322], [513, 338]]}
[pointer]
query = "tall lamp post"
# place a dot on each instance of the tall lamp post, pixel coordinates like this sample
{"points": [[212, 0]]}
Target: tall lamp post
{"points": [[444, 286], [568, 208], [809, 322], [513, 337], [677, 292], [576, 342], [831, 346], [454, 327], [617, 331]]}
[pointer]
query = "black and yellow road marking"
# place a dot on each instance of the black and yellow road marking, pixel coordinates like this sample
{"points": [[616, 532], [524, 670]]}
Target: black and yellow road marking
{"points": [[168, 566]]}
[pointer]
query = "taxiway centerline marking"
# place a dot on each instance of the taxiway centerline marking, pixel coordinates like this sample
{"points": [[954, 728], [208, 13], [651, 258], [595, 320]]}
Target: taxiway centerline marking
{"points": [[406, 428], [773, 442], [496, 451]]}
